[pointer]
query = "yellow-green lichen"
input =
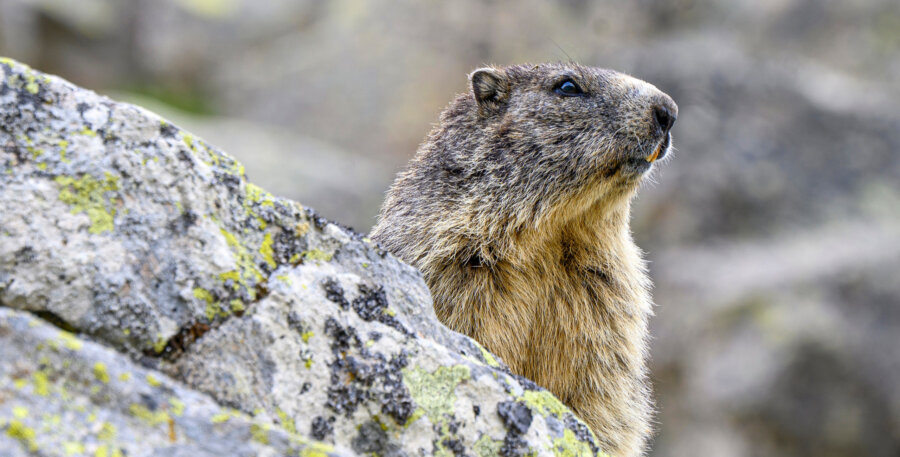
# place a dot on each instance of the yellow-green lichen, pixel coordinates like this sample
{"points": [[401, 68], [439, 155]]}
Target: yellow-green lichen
{"points": [[487, 356], [86, 131], [435, 392], [35, 152], [570, 446], [212, 307], [188, 140], [256, 195], [160, 344], [125, 377], [73, 448], [153, 380], [177, 406], [104, 450], [150, 417], [260, 433], [287, 422], [89, 195], [63, 148], [544, 402], [27, 80], [224, 415], [265, 249], [316, 450], [69, 340], [107, 432], [305, 336], [41, 384], [31, 84], [100, 372], [317, 255], [26, 435], [487, 447], [246, 272]]}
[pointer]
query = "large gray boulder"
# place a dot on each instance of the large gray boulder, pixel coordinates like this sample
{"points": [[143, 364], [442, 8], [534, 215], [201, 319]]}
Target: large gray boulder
{"points": [[146, 284]]}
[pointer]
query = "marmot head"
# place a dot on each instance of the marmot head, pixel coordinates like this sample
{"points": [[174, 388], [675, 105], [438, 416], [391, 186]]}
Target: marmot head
{"points": [[607, 121], [528, 145]]}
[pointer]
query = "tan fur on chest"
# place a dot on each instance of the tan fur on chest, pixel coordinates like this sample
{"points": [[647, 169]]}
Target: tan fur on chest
{"points": [[566, 307]]}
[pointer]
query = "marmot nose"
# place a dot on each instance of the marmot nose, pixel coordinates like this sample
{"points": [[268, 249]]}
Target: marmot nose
{"points": [[664, 116]]}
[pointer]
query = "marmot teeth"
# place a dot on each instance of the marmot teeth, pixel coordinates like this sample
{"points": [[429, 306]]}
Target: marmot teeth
{"points": [[652, 157]]}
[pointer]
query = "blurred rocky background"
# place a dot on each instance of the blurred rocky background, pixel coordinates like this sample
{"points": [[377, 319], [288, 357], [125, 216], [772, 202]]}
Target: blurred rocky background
{"points": [[773, 233]]}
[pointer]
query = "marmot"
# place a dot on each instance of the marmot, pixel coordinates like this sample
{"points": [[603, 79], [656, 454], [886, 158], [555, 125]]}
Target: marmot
{"points": [[516, 210]]}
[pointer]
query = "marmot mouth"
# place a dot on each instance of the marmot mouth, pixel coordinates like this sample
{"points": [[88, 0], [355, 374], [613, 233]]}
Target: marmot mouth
{"points": [[661, 149]]}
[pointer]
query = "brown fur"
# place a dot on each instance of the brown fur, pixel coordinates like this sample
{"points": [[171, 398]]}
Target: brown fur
{"points": [[516, 210]]}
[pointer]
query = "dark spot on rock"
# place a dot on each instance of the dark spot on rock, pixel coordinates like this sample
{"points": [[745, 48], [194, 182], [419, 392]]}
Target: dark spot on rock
{"points": [[516, 416], [335, 293], [342, 337], [373, 440], [149, 402], [179, 343], [355, 378], [230, 181], [286, 244], [455, 446], [183, 222], [167, 130], [321, 428], [526, 383], [82, 107], [25, 255], [345, 399], [185, 157], [514, 446], [448, 439], [318, 221], [372, 305], [305, 387], [374, 336], [27, 98], [56, 320], [295, 322], [476, 410], [107, 136], [396, 401]]}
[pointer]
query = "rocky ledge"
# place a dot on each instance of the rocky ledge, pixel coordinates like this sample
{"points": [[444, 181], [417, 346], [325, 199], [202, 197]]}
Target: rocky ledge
{"points": [[155, 302]]}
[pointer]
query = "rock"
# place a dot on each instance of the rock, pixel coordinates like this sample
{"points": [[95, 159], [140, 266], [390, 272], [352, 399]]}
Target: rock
{"points": [[125, 230], [64, 395]]}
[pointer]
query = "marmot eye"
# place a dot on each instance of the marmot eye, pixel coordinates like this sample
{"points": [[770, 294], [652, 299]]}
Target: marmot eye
{"points": [[568, 88]]}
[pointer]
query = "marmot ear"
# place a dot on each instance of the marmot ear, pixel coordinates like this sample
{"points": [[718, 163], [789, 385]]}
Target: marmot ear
{"points": [[490, 88]]}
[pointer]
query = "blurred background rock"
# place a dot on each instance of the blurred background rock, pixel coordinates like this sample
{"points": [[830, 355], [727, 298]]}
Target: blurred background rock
{"points": [[773, 233]]}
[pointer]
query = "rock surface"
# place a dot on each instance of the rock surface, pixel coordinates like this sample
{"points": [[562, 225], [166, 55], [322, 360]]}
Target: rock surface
{"points": [[167, 266]]}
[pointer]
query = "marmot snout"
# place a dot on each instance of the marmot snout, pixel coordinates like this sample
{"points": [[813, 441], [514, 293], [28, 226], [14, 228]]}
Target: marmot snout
{"points": [[516, 210]]}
